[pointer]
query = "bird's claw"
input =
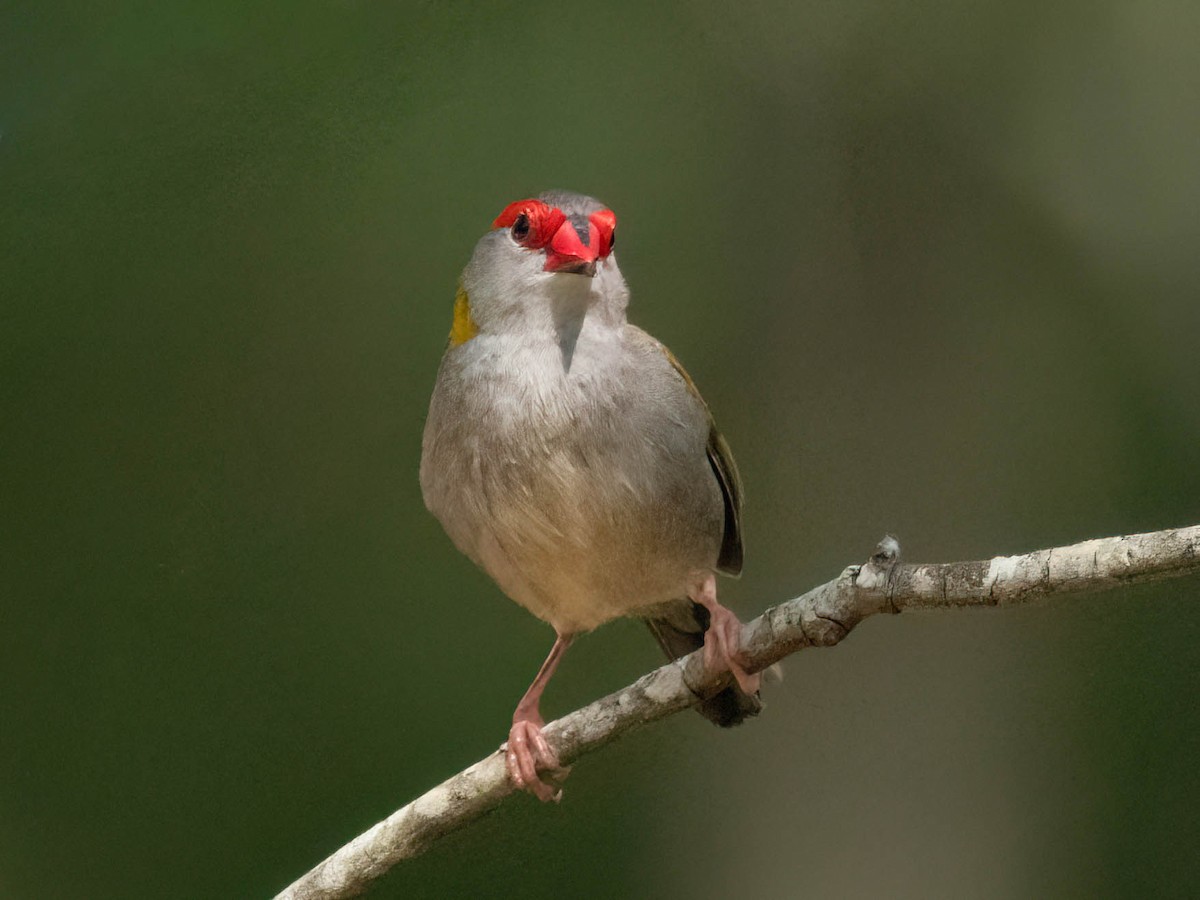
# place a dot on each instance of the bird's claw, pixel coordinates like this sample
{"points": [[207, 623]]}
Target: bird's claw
{"points": [[722, 649], [532, 763]]}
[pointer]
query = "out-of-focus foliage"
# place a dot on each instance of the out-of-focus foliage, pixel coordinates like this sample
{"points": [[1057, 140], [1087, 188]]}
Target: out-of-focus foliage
{"points": [[933, 264]]}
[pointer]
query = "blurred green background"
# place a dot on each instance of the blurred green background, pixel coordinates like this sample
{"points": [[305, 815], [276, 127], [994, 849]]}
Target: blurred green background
{"points": [[934, 265]]}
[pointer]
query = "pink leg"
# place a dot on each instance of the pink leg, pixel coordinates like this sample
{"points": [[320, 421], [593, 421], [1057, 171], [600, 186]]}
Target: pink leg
{"points": [[722, 640], [527, 751]]}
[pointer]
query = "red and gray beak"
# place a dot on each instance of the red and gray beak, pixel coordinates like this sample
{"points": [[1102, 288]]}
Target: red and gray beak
{"points": [[574, 248]]}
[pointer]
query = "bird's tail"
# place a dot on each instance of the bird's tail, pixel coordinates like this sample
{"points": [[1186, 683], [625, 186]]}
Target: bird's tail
{"points": [[679, 633]]}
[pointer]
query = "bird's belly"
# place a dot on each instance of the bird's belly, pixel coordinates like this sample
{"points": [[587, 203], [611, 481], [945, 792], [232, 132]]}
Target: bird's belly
{"points": [[579, 497], [579, 542]]}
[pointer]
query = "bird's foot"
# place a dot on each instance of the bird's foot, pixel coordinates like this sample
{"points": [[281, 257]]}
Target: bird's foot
{"points": [[723, 639], [532, 763], [722, 644]]}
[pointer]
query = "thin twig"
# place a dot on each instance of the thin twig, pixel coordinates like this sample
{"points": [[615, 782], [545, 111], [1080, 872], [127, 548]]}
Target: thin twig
{"points": [[820, 618]]}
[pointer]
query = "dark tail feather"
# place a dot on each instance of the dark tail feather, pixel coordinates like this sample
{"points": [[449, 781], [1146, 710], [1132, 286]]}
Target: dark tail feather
{"points": [[682, 632]]}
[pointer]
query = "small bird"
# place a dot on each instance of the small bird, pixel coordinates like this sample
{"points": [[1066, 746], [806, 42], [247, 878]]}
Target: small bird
{"points": [[570, 456]]}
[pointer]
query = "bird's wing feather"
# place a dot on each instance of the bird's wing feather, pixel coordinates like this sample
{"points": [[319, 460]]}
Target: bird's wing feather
{"points": [[720, 457]]}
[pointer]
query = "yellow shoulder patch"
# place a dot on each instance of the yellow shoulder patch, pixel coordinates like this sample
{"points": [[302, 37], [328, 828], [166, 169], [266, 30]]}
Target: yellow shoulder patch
{"points": [[464, 327]]}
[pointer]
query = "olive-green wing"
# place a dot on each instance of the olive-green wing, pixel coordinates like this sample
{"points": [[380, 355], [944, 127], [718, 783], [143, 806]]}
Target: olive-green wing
{"points": [[720, 457]]}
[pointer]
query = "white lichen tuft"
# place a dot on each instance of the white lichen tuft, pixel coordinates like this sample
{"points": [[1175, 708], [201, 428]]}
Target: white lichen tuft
{"points": [[1002, 568], [665, 686]]}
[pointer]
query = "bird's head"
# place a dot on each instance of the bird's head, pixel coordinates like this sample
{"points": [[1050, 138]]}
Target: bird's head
{"points": [[572, 242], [548, 260]]}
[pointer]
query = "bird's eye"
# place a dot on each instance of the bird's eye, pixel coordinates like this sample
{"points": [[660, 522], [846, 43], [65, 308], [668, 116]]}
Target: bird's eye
{"points": [[520, 228], [612, 240]]}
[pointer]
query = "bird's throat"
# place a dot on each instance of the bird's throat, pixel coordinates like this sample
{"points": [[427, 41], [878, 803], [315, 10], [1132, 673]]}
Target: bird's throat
{"points": [[569, 313]]}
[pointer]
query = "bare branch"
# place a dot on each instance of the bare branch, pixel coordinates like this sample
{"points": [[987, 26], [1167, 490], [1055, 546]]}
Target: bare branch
{"points": [[820, 618]]}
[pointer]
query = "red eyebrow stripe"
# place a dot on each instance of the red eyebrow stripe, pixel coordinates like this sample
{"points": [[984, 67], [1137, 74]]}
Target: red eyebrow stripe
{"points": [[605, 222], [604, 219], [514, 209], [544, 221]]}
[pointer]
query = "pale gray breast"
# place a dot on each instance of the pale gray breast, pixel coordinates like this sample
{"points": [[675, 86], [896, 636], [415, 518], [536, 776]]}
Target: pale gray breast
{"points": [[594, 484]]}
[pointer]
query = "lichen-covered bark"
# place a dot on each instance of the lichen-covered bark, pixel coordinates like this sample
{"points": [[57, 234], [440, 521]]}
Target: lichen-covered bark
{"points": [[821, 618]]}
